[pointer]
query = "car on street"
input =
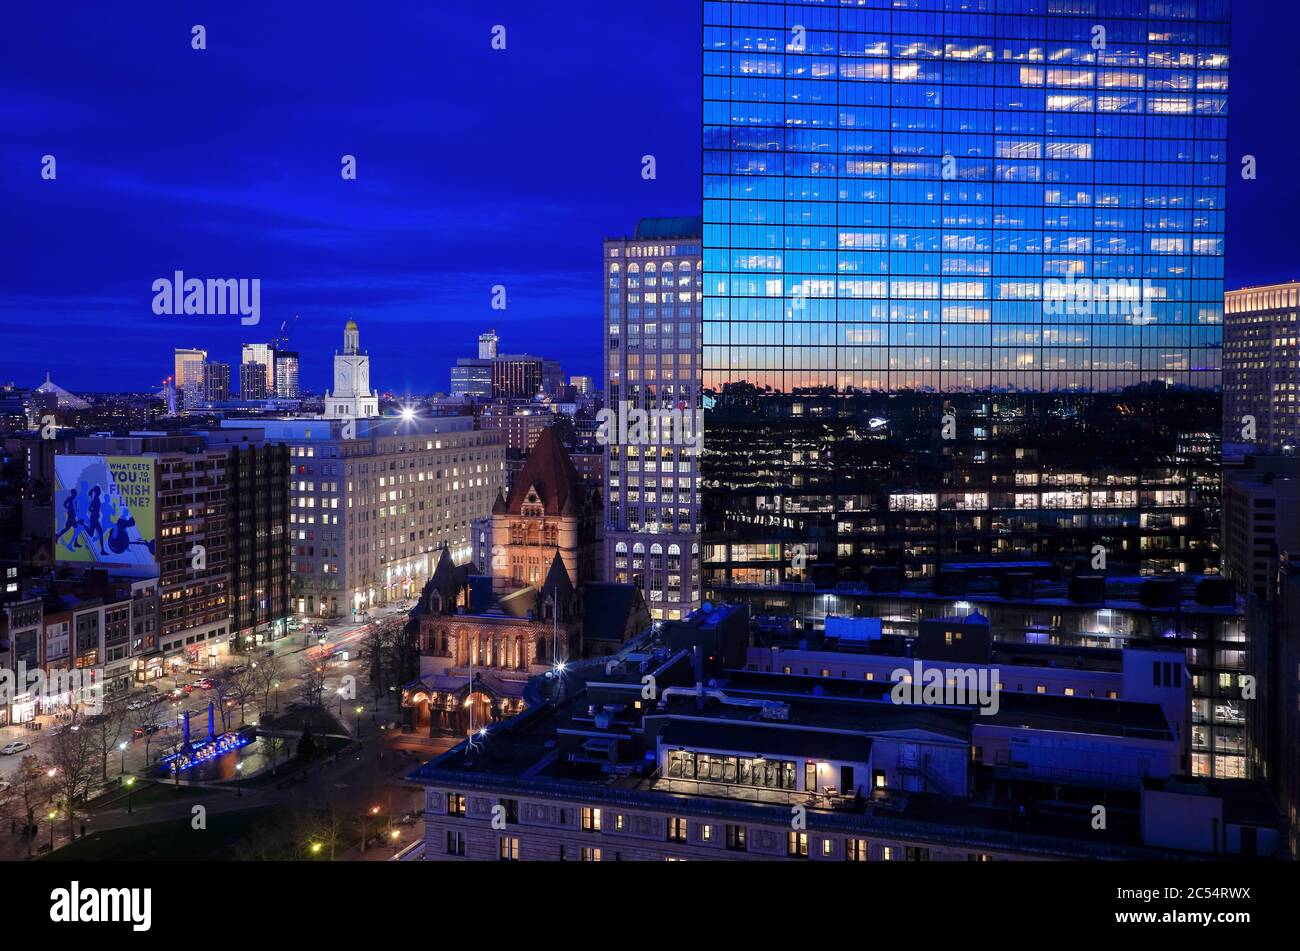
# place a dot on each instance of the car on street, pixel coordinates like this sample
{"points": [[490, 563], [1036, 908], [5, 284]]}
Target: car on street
{"points": [[207, 683], [17, 746], [146, 729]]}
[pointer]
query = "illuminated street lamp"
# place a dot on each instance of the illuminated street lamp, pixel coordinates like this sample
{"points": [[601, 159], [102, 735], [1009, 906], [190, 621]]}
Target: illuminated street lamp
{"points": [[121, 748], [359, 711], [52, 816], [239, 779], [130, 788], [395, 835]]}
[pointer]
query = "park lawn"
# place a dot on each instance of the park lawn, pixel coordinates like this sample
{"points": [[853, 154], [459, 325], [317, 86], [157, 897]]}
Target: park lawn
{"points": [[171, 841]]}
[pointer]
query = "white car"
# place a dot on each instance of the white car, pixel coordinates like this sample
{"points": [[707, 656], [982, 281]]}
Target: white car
{"points": [[17, 746]]}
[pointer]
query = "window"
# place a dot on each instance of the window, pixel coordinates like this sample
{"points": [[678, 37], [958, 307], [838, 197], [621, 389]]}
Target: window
{"points": [[509, 848], [797, 844], [455, 804], [827, 848], [917, 854], [676, 829], [736, 838], [855, 850], [511, 809], [455, 843], [618, 822], [590, 819], [590, 855], [706, 833]]}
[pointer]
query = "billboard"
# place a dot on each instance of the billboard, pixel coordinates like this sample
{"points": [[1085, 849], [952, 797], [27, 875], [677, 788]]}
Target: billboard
{"points": [[104, 510]]}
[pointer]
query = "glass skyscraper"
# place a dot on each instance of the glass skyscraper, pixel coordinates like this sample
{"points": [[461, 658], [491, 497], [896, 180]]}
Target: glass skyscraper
{"points": [[963, 283]]}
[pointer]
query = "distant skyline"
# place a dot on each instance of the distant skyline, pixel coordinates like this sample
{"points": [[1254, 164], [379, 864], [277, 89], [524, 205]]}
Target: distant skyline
{"points": [[475, 167]]}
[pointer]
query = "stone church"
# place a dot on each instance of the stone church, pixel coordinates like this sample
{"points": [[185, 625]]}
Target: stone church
{"points": [[482, 638]]}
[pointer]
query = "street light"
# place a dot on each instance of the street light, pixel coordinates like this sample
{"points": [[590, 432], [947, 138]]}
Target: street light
{"points": [[396, 834], [277, 696], [239, 779], [359, 711], [315, 848], [130, 788], [52, 817], [121, 748]]}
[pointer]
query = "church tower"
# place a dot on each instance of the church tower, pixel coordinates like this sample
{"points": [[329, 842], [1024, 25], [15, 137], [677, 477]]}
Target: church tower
{"points": [[351, 397]]}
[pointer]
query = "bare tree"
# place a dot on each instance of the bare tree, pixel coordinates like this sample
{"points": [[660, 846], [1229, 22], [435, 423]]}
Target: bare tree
{"points": [[32, 788], [275, 746], [313, 684], [147, 719], [107, 728], [239, 688], [266, 674], [390, 653], [72, 757]]}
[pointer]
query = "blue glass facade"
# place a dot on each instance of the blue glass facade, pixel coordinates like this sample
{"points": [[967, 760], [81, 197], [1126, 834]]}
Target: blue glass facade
{"points": [[964, 195], [963, 284]]}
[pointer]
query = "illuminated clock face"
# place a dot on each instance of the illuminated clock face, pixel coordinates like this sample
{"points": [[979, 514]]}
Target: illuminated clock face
{"points": [[345, 376]]}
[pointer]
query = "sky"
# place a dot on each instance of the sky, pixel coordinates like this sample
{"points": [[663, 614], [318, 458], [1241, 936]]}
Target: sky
{"points": [[475, 167]]}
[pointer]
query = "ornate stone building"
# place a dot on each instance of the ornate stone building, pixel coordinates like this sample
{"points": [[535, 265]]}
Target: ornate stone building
{"points": [[484, 637]]}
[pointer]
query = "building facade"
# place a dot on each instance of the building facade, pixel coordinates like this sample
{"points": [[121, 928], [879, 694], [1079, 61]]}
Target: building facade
{"points": [[652, 365], [286, 375], [216, 382], [372, 500], [1261, 367], [949, 260]]}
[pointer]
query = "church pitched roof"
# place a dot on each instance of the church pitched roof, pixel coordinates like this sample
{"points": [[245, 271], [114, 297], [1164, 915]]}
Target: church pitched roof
{"points": [[550, 471]]}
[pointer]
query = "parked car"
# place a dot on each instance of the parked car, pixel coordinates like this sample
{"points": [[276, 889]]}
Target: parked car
{"points": [[17, 746], [238, 669], [137, 705], [207, 683], [147, 729]]}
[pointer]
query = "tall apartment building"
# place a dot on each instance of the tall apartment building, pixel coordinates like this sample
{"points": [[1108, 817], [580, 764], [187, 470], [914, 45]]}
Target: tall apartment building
{"points": [[216, 382], [472, 377], [1261, 520], [516, 376], [257, 508], [963, 285], [487, 345], [286, 375], [189, 555], [252, 382], [188, 373], [652, 365], [262, 354], [1261, 367], [373, 499]]}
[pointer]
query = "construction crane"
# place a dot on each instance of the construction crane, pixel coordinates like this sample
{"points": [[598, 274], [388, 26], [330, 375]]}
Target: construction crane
{"points": [[281, 340]]}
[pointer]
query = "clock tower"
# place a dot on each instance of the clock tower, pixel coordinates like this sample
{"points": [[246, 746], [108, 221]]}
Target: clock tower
{"points": [[351, 397]]}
